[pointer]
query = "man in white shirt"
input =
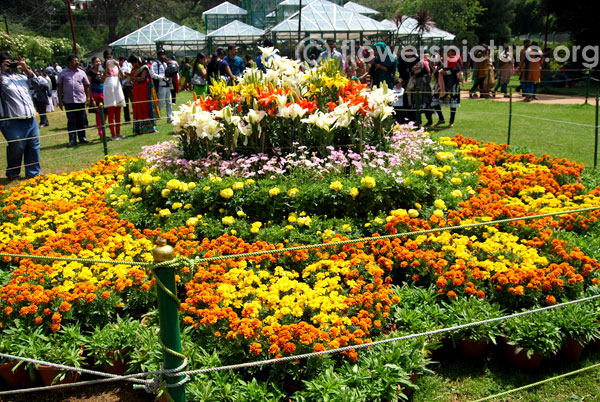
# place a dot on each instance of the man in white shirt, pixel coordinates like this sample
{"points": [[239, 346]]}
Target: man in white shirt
{"points": [[162, 83], [332, 53], [127, 86]]}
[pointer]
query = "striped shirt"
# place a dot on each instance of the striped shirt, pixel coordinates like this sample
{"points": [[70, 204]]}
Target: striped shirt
{"points": [[15, 99]]}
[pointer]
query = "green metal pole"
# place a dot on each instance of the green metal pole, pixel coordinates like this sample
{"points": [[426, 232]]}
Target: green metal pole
{"points": [[509, 116], [587, 87], [168, 311], [596, 136], [101, 111], [418, 109]]}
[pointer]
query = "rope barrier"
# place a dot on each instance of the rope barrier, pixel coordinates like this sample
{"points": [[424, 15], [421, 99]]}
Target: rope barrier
{"points": [[384, 341], [58, 110], [195, 261], [83, 129], [177, 371], [535, 384]]}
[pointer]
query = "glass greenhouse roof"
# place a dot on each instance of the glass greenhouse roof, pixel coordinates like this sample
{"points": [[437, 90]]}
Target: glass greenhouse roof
{"points": [[182, 34], [359, 8], [236, 29], [148, 34], [226, 8], [325, 16]]}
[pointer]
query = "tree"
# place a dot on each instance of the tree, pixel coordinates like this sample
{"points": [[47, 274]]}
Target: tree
{"points": [[495, 21], [459, 17]]}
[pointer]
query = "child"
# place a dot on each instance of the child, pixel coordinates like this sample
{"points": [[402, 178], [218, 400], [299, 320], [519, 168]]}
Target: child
{"points": [[399, 103]]}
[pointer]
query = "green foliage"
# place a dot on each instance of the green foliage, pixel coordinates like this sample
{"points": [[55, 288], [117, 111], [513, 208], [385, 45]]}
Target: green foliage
{"points": [[460, 17], [466, 310], [37, 50], [534, 332], [579, 321], [113, 341]]}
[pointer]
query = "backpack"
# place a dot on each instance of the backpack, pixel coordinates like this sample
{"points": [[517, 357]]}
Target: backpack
{"points": [[171, 70]]}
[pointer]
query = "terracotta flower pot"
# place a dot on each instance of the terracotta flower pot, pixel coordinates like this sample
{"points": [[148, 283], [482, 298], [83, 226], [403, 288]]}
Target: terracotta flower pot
{"points": [[517, 357], [18, 378], [48, 373], [408, 391], [571, 350], [472, 349], [118, 366]]}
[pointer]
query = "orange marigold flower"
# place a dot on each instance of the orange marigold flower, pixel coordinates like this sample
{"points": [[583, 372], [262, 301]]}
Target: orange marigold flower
{"points": [[550, 300], [64, 306], [38, 320], [451, 294], [105, 294], [256, 348], [289, 348]]}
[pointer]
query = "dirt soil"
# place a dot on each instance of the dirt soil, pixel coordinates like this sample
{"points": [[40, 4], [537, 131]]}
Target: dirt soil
{"points": [[112, 392], [544, 99]]}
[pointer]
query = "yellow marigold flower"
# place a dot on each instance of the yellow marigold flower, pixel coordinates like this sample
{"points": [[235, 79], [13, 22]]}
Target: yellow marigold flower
{"points": [[456, 181], [191, 185], [346, 228], [418, 206], [292, 219], [206, 188], [192, 222], [254, 229], [304, 221], [257, 224], [145, 179], [250, 182], [456, 194], [275, 191], [292, 192], [228, 220], [136, 190], [353, 192], [368, 182], [241, 214], [176, 205], [187, 206], [226, 193], [439, 213], [173, 184], [215, 179], [234, 232], [440, 204], [164, 213], [165, 192], [413, 213], [336, 186], [238, 185]]}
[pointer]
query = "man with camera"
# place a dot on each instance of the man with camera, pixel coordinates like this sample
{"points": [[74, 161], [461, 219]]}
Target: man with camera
{"points": [[162, 82], [73, 91], [17, 118]]}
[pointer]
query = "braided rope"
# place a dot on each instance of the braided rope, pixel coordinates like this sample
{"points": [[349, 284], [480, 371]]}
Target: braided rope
{"points": [[384, 341]]}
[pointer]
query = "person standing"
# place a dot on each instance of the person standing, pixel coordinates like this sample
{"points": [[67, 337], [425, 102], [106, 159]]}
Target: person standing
{"points": [[482, 67], [384, 66], [505, 71], [531, 71], [173, 73], [422, 92], [114, 99], [200, 76], [332, 53], [236, 63], [143, 104], [162, 83], [73, 92], [97, 89], [447, 76], [17, 118], [41, 97], [127, 87], [186, 76]]}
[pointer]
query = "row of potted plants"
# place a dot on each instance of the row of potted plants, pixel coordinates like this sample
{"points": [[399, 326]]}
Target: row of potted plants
{"points": [[526, 339]]}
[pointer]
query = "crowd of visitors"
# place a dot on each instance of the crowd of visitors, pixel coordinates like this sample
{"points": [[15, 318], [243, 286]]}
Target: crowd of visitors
{"points": [[143, 90]]}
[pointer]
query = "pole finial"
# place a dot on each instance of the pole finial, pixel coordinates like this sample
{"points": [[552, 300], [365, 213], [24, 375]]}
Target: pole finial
{"points": [[162, 251]]}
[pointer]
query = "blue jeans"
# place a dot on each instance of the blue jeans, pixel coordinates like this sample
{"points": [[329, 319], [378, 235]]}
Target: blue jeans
{"points": [[23, 136], [528, 87], [164, 96]]}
